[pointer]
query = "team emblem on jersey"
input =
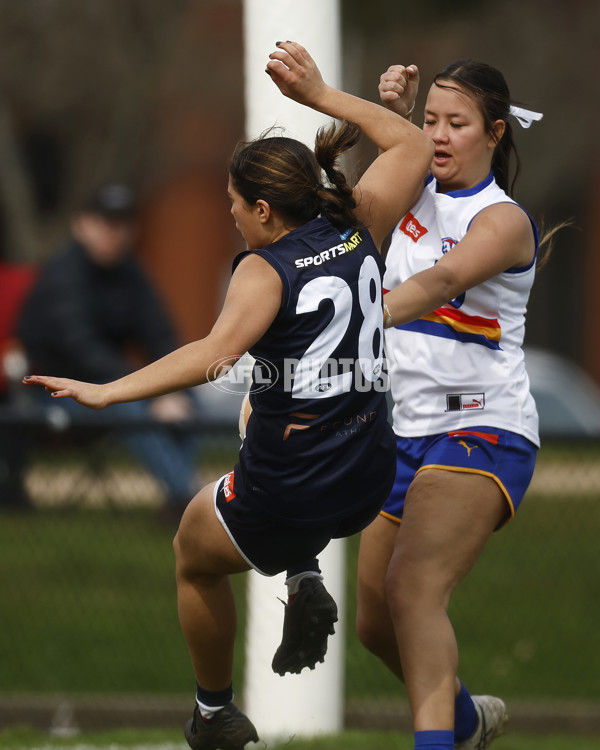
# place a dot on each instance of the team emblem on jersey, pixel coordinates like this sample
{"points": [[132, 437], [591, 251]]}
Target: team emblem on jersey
{"points": [[412, 228], [447, 244]]}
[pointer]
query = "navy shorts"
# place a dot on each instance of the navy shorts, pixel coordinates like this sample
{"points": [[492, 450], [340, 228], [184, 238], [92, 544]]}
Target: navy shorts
{"points": [[269, 545], [505, 457]]}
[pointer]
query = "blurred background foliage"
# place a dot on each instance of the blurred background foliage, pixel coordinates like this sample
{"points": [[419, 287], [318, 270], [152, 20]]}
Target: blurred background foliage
{"points": [[152, 93]]}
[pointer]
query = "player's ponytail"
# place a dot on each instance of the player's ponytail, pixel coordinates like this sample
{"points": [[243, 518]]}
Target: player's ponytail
{"points": [[337, 202], [287, 175]]}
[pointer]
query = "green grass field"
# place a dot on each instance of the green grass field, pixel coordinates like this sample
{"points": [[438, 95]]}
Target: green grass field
{"points": [[87, 607], [133, 740], [525, 615]]}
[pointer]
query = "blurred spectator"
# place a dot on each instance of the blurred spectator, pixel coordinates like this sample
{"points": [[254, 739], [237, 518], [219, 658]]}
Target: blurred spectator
{"points": [[16, 280], [93, 315]]}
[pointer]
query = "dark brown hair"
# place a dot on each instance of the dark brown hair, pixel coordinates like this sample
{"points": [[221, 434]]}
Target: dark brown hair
{"points": [[488, 88], [287, 175]]}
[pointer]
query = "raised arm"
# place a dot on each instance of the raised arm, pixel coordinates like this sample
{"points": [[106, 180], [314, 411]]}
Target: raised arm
{"points": [[233, 334], [398, 88], [387, 189]]}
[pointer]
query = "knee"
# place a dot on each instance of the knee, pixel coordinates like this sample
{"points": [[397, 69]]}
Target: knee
{"points": [[178, 549], [418, 592], [177, 546], [196, 561], [184, 546], [373, 626], [368, 632], [399, 596]]}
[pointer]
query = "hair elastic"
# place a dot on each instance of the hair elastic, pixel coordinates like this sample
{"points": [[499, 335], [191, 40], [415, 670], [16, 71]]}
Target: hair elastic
{"points": [[525, 116]]}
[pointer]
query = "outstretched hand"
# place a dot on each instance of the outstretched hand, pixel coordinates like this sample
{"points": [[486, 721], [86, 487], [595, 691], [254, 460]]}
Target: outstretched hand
{"points": [[295, 73], [87, 394], [398, 88]]}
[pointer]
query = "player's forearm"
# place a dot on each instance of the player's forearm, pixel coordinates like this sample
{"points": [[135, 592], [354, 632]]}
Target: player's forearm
{"points": [[418, 296], [295, 73], [186, 367], [382, 126]]}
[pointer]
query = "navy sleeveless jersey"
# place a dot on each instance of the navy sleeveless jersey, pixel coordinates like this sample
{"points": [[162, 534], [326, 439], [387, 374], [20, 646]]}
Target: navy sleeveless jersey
{"points": [[318, 442]]}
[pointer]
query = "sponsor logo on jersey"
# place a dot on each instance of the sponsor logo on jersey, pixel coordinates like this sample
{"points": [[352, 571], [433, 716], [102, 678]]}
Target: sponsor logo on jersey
{"points": [[228, 487], [343, 427], [411, 227], [350, 424], [468, 447], [331, 253], [296, 425], [465, 401]]}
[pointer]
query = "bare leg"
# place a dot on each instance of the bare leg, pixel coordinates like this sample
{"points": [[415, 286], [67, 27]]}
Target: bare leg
{"points": [[205, 556], [447, 521], [373, 619]]}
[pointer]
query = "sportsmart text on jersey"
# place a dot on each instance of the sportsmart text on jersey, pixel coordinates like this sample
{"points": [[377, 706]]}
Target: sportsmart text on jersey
{"points": [[331, 253]]}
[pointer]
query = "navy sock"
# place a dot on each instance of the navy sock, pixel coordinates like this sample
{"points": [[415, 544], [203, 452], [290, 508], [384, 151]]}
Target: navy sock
{"points": [[308, 565], [436, 739], [465, 715]]}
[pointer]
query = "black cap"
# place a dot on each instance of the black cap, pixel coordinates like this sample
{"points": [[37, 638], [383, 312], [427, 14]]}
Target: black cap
{"points": [[114, 202]]}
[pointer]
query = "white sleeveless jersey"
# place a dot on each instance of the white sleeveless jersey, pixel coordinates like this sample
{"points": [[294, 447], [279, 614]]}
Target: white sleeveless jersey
{"points": [[462, 365]]}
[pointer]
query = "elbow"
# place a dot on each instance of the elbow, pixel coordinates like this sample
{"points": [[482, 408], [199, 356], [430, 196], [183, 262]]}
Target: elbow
{"points": [[425, 145], [423, 154], [430, 151], [428, 144]]}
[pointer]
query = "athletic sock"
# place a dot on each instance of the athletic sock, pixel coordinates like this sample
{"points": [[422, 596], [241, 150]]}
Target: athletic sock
{"points": [[436, 739], [211, 701], [299, 573], [465, 715]]}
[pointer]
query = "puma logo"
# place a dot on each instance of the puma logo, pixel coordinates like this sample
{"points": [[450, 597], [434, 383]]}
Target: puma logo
{"points": [[468, 447]]}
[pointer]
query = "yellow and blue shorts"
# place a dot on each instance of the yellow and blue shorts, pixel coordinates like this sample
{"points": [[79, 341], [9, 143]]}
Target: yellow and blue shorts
{"points": [[505, 457]]}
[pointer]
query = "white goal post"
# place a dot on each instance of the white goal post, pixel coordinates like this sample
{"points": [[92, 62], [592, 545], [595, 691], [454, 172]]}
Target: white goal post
{"points": [[311, 703]]}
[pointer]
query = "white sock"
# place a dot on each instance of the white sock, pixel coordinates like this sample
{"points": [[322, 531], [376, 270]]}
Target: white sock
{"points": [[208, 712], [293, 583]]}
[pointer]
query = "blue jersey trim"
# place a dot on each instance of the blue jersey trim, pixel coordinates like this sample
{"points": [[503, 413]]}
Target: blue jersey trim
{"points": [[468, 191], [536, 236]]}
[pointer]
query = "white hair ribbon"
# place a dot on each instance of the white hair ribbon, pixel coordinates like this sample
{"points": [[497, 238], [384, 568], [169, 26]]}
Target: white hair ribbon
{"points": [[525, 116]]}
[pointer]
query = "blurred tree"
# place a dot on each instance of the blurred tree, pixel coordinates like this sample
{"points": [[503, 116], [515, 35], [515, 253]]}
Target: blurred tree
{"points": [[132, 91], [86, 79], [149, 92], [84, 74]]}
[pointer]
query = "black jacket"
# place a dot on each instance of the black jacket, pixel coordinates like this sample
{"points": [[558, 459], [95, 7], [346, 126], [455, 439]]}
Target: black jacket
{"points": [[80, 319]]}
